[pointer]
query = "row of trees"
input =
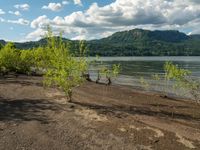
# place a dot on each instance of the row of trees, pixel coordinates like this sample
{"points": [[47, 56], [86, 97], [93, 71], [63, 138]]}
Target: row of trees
{"points": [[58, 64], [13, 60]]}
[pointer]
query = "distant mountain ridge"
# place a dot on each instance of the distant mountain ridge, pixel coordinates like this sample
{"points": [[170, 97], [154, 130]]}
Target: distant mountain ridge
{"points": [[139, 34], [136, 42]]}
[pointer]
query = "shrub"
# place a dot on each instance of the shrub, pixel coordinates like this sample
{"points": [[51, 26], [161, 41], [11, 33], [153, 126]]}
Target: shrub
{"points": [[27, 61], [59, 66], [62, 69], [144, 83], [110, 73], [9, 58], [183, 80], [14, 60]]}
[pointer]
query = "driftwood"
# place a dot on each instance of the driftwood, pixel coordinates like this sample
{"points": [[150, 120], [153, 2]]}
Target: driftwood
{"points": [[87, 77], [109, 81], [98, 77]]}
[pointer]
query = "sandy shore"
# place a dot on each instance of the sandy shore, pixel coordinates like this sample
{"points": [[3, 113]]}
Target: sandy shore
{"points": [[100, 117]]}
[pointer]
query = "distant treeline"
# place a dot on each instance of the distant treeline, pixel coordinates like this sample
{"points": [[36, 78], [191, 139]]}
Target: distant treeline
{"points": [[135, 42]]}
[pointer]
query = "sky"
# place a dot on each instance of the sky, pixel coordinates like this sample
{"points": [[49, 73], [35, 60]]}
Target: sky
{"points": [[26, 20]]}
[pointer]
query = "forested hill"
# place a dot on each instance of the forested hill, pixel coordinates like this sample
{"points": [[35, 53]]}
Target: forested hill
{"points": [[136, 42], [140, 42]]}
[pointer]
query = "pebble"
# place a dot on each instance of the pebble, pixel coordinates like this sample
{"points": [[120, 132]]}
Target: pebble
{"points": [[13, 132]]}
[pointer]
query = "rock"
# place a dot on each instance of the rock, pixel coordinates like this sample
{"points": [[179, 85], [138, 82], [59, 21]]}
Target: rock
{"points": [[156, 141], [13, 132], [71, 106]]}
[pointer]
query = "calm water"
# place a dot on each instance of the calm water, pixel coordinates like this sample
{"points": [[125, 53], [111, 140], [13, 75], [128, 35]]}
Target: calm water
{"points": [[133, 68], [147, 66]]}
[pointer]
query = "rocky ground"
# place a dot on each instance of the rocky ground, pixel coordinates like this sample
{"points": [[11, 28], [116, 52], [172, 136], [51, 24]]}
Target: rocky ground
{"points": [[101, 117]]}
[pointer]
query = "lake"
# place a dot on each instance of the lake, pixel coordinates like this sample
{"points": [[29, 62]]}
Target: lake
{"points": [[133, 68]]}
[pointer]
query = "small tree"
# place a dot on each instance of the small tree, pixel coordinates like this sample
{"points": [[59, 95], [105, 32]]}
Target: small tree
{"points": [[96, 64], [144, 83], [14, 60], [27, 62], [183, 80], [110, 73], [9, 59], [62, 69]]}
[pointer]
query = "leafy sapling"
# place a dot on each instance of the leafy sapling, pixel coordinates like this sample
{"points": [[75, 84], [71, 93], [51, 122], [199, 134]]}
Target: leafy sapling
{"points": [[110, 73], [62, 69]]}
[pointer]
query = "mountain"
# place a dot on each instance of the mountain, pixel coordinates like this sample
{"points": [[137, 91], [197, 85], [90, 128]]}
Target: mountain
{"points": [[35, 44], [2, 42], [136, 42], [146, 35]]}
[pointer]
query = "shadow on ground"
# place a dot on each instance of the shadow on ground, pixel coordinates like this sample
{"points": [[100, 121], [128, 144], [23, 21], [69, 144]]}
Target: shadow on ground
{"points": [[117, 111], [25, 81], [26, 109]]}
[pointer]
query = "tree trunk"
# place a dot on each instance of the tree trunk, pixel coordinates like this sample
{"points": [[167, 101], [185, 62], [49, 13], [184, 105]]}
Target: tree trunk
{"points": [[98, 77], [109, 81], [87, 77], [70, 95]]}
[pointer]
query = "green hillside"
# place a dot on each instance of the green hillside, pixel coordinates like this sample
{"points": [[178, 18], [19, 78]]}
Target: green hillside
{"points": [[136, 42]]}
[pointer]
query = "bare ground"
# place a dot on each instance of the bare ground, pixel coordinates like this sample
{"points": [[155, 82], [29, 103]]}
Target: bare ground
{"points": [[100, 117]]}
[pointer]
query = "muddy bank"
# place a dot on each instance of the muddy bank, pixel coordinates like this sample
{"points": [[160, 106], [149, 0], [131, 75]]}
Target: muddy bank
{"points": [[100, 117]]}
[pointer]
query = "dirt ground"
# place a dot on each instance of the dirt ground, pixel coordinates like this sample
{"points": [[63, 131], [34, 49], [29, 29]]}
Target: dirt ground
{"points": [[100, 118]]}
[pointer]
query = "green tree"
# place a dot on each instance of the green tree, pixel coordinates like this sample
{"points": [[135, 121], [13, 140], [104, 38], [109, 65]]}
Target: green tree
{"points": [[27, 61], [96, 65], [9, 58], [110, 73], [62, 69], [183, 80]]}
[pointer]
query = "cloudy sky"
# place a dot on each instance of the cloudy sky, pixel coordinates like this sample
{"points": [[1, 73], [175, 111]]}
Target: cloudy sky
{"points": [[26, 20]]}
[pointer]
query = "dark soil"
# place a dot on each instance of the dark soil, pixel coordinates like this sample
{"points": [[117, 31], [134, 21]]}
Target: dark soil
{"points": [[100, 117]]}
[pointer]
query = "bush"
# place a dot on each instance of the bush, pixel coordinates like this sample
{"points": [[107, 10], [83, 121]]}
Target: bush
{"points": [[9, 58], [110, 73], [14, 60], [59, 66], [27, 61], [62, 69], [183, 80]]}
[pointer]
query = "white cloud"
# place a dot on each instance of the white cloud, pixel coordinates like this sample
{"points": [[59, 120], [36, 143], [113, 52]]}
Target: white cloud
{"points": [[65, 2], [53, 6], [20, 21], [17, 13], [78, 2], [2, 12], [97, 21], [36, 35], [23, 7], [79, 37], [2, 19], [40, 22]]}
